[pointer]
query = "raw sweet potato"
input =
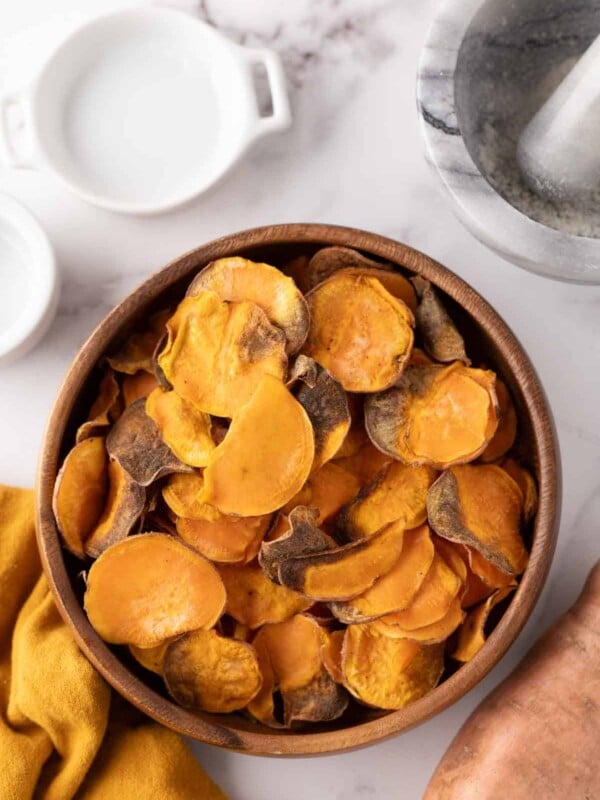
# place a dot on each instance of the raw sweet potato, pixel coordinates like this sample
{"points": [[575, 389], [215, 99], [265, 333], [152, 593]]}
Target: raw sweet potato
{"points": [[538, 734]]}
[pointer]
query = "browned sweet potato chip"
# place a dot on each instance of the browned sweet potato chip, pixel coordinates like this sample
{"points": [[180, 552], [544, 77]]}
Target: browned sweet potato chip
{"points": [[441, 338], [327, 489], [300, 536], [331, 654], [435, 415], [135, 442], [325, 402], [344, 572], [105, 408], [396, 589], [505, 435], [137, 352], [211, 672], [388, 673], [359, 332], [149, 588], [217, 352], [266, 456], [489, 574], [322, 700], [429, 634], [397, 493], [419, 358], [526, 483], [183, 428], [139, 385], [122, 510], [80, 492], [151, 657], [222, 538], [480, 506], [254, 600], [237, 279], [430, 604], [471, 637]]}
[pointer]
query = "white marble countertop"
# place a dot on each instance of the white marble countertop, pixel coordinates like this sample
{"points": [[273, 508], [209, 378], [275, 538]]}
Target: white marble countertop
{"points": [[354, 156]]}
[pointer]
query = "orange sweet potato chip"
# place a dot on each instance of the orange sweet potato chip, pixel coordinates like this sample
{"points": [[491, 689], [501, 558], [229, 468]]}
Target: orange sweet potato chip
{"points": [[359, 332], [222, 538], [217, 352], [526, 483], [331, 654], [139, 385], [183, 428], [471, 637], [137, 352], [433, 633], [328, 489], [151, 658], [105, 408], [505, 435], [299, 536], [237, 279]]}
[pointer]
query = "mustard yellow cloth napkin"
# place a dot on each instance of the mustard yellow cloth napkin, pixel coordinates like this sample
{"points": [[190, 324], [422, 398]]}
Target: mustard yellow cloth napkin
{"points": [[61, 734]]}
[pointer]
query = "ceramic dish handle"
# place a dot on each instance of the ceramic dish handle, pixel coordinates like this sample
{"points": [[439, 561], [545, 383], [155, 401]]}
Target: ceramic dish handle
{"points": [[281, 117], [14, 158]]}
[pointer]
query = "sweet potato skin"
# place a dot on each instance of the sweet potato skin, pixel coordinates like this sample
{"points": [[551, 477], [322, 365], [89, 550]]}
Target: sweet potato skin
{"points": [[538, 734]]}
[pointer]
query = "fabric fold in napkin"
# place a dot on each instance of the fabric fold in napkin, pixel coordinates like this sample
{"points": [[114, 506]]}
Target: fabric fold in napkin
{"points": [[63, 734]]}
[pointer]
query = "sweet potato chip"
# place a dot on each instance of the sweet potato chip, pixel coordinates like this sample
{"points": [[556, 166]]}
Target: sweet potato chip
{"points": [[139, 385], [480, 506], [505, 435], [397, 493], [105, 408], [526, 483], [359, 332], [454, 556], [217, 352], [137, 352], [151, 657], [182, 493], [396, 589], [80, 492], [431, 603], [489, 574], [325, 402], [429, 634], [327, 489], [211, 672], [365, 464], [183, 428], [222, 538], [388, 673], [266, 456], [435, 415], [355, 439], [149, 588], [344, 572], [135, 442], [300, 536], [471, 637], [122, 511], [331, 654], [322, 700], [441, 338], [419, 358], [237, 279], [254, 600]]}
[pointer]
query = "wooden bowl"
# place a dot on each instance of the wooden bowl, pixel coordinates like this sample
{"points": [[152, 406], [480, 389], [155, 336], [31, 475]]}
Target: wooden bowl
{"points": [[488, 339]]}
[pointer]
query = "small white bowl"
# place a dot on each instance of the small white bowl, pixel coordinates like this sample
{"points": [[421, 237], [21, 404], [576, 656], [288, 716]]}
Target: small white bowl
{"points": [[28, 281], [141, 110]]}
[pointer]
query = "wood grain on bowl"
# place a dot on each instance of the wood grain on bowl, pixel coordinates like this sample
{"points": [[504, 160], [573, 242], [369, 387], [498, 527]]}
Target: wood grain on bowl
{"points": [[490, 341]]}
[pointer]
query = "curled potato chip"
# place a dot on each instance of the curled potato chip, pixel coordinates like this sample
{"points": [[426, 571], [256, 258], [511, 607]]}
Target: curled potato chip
{"points": [[433, 633], [359, 332], [432, 601], [435, 415], [236, 279], [151, 657], [328, 489], [217, 352], [135, 442], [505, 435], [344, 572], [388, 673], [266, 456], [122, 511], [254, 600], [222, 538], [325, 402], [300, 536], [441, 338], [480, 506], [211, 672], [526, 483], [331, 654], [183, 428], [397, 588], [397, 493], [471, 637], [80, 492], [105, 408], [149, 588], [137, 352], [139, 385]]}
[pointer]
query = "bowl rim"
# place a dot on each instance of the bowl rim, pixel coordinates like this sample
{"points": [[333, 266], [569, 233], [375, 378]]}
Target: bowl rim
{"points": [[209, 728]]}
